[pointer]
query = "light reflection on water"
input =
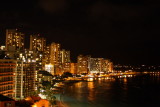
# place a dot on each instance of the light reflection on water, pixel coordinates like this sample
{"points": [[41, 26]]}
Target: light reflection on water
{"points": [[132, 91]]}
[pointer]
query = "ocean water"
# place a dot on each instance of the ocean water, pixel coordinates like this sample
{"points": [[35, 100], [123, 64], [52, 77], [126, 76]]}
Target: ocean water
{"points": [[133, 91]]}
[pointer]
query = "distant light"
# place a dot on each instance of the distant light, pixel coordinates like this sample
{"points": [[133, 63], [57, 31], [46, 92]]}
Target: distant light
{"points": [[33, 61], [34, 106], [42, 96]]}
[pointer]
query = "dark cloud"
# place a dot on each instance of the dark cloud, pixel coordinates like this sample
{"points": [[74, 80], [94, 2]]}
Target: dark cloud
{"points": [[110, 11], [52, 6]]}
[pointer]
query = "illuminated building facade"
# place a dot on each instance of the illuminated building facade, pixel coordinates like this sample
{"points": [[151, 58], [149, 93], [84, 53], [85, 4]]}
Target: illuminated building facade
{"points": [[73, 68], [37, 43], [19, 81], [31, 63], [110, 67], [82, 64], [46, 59], [7, 75], [65, 56], [67, 67], [96, 65], [39, 61], [25, 75], [29, 78], [48, 67], [88, 65], [55, 58], [14, 40], [65, 61], [55, 54], [99, 65]]}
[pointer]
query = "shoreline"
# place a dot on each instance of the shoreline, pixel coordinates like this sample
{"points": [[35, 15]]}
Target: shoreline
{"points": [[67, 100], [59, 101]]}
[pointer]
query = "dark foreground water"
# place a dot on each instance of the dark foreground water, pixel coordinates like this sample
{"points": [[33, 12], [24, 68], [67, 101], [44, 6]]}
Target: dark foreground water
{"points": [[135, 91]]}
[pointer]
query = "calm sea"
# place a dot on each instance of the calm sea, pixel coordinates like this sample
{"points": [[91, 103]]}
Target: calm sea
{"points": [[128, 91]]}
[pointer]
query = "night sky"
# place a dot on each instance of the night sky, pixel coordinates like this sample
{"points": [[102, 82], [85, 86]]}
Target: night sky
{"points": [[125, 31]]}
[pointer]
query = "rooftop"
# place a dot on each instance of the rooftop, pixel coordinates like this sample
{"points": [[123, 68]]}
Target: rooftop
{"points": [[4, 98]]}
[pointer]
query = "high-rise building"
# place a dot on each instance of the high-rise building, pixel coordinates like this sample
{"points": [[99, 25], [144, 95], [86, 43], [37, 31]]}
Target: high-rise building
{"points": [[55, 54], [82, 64], [46, 58], [37, 43], [65, 61], [66, 67], [7, 77], [73, 68], [55, 58], [14, 40], [96, 65], [19, 74], [99, 65], [110, 67], [65, 56], [29, 78], [25, 74]]}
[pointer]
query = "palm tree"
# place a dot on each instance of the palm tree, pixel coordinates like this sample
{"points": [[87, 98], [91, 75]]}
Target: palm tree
{"points": [[48, 92]]}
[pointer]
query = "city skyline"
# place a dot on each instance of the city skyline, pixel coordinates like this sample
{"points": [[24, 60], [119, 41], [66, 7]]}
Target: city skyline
{"points": [[20, 68], [125, 32], [79, 53]]}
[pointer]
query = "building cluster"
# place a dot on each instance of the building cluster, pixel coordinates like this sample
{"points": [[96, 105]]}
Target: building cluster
{"points": [[19, 67], [139, 68], [88, 65]]}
